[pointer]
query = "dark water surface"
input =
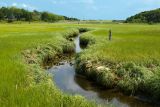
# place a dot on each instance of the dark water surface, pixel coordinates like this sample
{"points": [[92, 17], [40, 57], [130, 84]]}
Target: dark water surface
{"points": [[67, 80]]}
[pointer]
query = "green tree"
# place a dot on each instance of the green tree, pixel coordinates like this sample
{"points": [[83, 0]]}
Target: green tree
{"points": [[11, 14]]}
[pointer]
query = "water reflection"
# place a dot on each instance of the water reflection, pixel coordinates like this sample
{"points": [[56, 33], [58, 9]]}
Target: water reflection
{"points": [[66, 79]]}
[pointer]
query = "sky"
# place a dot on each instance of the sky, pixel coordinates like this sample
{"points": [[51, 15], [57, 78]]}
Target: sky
{"points": [[87, 9]]}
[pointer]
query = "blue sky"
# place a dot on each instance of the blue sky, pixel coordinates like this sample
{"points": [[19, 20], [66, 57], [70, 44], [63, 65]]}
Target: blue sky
{"points": [[87, 9]]}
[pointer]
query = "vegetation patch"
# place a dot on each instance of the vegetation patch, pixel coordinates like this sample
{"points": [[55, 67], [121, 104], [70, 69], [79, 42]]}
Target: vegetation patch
{"points": [[87, 40], [24, 82], [112, 64], [43, 54]]}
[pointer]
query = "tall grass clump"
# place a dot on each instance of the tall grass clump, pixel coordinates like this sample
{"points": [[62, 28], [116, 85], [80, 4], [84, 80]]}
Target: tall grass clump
{"points": [[86, 39], [23, 82], [71, 33], [82, 30]]}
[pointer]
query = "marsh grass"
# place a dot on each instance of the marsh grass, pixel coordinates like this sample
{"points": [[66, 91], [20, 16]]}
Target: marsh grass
{"points": [[132, 58], [130, 62], [23, 83]]}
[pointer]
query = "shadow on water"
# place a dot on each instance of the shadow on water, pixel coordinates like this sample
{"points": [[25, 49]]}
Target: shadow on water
{"points": [[67, 80]]}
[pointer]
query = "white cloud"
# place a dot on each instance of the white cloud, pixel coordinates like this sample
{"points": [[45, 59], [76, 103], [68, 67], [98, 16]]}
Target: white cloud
{"points": [[14, 4], [58, 1], [54, 2], [24, 5], [88, 4], [85, 1]]}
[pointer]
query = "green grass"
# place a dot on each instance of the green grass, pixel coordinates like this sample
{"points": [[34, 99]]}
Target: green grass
{"points": [[131, 60], [136, 43], [25, 84]]}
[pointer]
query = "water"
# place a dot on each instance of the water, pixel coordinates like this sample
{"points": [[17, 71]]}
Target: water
{"points": [[77, 43], [67, 80]]}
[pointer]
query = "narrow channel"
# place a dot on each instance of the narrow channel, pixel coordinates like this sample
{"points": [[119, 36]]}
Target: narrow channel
{"points": [[67, 80]]}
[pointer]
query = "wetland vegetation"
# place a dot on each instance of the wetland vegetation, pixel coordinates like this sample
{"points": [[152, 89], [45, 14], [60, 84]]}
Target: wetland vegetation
{"points": [[128, 64]]}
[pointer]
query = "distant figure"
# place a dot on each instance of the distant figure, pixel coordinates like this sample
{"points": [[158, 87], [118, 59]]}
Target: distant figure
{"points": [[110, 35]]}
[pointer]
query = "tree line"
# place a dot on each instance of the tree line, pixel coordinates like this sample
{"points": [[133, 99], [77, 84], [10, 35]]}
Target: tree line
{"points": [[152, 16], [11, 14]]}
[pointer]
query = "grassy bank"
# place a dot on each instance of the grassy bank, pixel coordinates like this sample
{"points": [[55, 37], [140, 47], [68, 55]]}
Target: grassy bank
{"points": [[23, 48], [130, 62]]}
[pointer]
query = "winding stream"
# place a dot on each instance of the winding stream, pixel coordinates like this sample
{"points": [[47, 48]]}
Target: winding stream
{"points": [[67, 80]]}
